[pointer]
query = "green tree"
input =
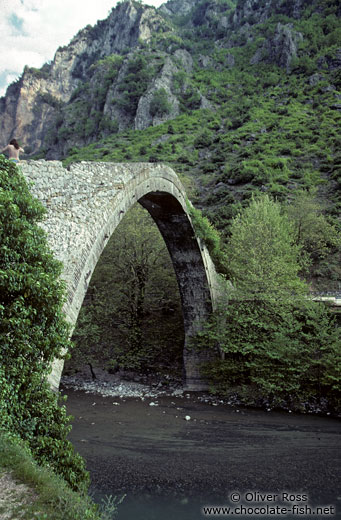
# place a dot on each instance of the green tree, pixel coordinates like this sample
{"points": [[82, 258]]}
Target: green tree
{"points": [[275, 344], [131, 316], [281, 353], [134, 83], [159, 105], [262, 256], [33, 331], [314, 233]]}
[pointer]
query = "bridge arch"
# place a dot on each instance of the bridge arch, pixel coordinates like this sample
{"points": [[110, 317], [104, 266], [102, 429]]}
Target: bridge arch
{"points": [[86, 202]]}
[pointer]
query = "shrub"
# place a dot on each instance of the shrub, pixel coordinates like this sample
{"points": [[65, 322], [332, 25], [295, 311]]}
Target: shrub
{"points": [[159, 105], [283, 353], [33, 331], [210, 236], [134, 84]]}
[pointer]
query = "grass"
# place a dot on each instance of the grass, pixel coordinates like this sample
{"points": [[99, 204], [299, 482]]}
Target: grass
{"points": [[48, 496]]}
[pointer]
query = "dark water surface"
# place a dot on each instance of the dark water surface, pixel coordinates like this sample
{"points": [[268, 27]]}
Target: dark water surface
{"points": [[171, 467]]}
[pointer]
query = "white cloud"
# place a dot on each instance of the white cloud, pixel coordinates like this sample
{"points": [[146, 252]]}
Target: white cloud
{"points": [[32, 30]]}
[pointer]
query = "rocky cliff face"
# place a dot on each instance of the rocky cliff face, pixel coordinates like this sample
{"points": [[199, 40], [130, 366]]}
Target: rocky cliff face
{"points": [[279, 49], [178, 7], [32, 104], [29, 107], [134, 69], [45, 109], [251, 11]]}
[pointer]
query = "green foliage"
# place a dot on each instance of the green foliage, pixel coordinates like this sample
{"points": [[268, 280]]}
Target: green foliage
{"points": [[51, 498], [42, 73], [273, 342], [111, 64], [131, 318], [134, 84], [262, 256], [204, 139], [190, 99], [210, 236], [159, 105], [49, 99], [317, 235], [33, 331], [275, 352]]}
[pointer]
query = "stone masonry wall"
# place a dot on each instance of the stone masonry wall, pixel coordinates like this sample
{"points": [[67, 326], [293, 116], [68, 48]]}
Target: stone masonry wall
{"points": [[85, 203]]}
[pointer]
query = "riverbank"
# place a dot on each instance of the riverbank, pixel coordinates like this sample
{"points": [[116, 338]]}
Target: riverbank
{"points": [[143, 386], [30, 491], [177, 451]]}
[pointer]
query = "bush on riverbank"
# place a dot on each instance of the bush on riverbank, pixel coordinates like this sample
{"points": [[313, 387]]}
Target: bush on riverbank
{"points": [[33, 332], [275, 354], [277, 347]]}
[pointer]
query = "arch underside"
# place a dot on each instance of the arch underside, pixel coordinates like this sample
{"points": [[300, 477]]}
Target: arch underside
{"points": [[191, 273], [185, 253]]}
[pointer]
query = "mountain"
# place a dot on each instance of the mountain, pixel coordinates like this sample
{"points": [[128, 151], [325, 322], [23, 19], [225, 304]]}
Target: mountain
{"points": [[135, 69], [238, 96], [33, 105]]}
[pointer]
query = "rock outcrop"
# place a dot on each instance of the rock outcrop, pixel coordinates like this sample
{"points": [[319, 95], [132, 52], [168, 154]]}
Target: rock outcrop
{"points": [[178, 7], [31, 105], [144, 117], [279, 49], [258, 11]]}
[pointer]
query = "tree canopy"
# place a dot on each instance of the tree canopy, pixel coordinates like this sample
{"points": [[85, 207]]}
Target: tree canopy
{"points": [[276, 345], [262, 254]]}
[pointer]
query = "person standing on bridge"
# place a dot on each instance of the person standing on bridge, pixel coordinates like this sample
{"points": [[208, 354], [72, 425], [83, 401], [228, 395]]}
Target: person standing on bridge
{"points": [[13, 149]]}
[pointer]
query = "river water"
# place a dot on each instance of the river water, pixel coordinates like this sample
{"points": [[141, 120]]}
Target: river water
{"points": [[174, 455]]}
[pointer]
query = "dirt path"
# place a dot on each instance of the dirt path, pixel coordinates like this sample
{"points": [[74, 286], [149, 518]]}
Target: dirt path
{"points": [[13, 495]]}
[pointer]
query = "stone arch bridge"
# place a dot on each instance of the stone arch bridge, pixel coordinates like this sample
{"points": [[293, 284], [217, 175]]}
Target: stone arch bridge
{"points": [[86, 202]]}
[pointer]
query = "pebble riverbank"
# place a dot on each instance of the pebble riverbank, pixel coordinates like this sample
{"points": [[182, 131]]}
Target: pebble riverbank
{"points": [[124, 389], [107, 385]]}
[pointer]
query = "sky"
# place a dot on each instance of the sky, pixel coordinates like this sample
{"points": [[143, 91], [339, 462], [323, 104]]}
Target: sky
{"points": [[32, 30]]}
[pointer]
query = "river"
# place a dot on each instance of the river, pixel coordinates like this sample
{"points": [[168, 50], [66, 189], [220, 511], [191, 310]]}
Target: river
{"points": [[174, 455]]}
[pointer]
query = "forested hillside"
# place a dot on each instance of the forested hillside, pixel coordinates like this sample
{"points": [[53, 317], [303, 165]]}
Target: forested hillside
{"points": [[239, 100]]}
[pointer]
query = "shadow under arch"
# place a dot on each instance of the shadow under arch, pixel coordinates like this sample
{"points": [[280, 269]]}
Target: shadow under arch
{"points": [[100, 194]]}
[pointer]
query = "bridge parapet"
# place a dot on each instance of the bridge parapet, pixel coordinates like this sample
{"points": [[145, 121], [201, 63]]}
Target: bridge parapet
{"points": [[331, 298]]}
